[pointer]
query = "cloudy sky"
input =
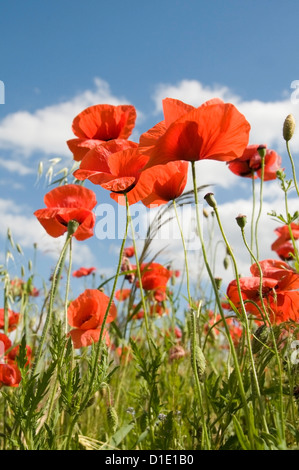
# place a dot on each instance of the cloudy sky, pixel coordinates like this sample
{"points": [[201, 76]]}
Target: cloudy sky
{"points": [[58, 57]]}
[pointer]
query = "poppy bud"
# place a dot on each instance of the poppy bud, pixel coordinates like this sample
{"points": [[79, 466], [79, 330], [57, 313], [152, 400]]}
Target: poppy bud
{"points": [[262, 150], [209, 197], [205, 213], [112, 419], [218, 282], [288, 127], [241, 220], [226, 262]]}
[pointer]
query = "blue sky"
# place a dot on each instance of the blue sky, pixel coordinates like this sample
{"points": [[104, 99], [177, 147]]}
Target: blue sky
{"points": [[58, 57]]}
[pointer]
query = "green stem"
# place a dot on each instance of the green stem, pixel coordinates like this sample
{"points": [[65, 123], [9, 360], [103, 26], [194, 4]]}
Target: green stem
{"points": [[245, 320], [185, 252], [253, 212], [67, 288], [261, 206], [289, 226], [98, 346], [197, 383], [229, 338], [149, 337], [281, 406], [54, 390], [55, 280], [293, 167]]}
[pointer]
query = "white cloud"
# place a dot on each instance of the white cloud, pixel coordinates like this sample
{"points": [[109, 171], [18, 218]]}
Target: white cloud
{"points": [[16, 167], [46, 130], [266, 118]]}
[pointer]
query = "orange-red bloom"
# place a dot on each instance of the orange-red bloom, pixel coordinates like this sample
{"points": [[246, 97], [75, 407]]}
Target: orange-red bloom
{"points": [[159, 184], [112, 168], [216, 130], [10, 375], [68, 203], [83, 272], [129, 252], [86, 315], [13, 319], [101, 123], [279, 289], [6, 345], [154, 277], [122, 294], [250, 163], [283, 246]]}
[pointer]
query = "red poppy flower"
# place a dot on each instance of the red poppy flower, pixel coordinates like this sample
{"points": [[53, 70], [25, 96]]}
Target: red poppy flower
{"points": [[283, 246], [86, 313], [83, 272], [129, 252], [215, 130], [285, 251], [67, 203], [116, 171], [5, 344], [249, 164], [159, 184], [154, 278], [10, 375], [101, 123], [13, 319], [122, 294], [85, 338], [279, 288]]}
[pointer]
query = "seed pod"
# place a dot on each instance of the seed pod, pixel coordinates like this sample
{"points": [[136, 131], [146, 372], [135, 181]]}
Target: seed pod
{"points": [[288, 127], [210, 199], [112, 419], [200, 362]]}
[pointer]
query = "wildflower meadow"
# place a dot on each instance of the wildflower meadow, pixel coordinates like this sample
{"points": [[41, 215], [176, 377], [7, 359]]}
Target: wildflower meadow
{"points": [[154, 357]]}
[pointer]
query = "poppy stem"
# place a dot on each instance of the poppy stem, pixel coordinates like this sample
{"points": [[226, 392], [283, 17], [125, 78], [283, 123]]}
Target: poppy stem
{"points": [[261, 206], [253, 212], [289, 223], [67, 288], [55, 281], [293, 167], [149, 337], [98, 346], [185, 252], [229, 338], [272, 333], [244, 318]]}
